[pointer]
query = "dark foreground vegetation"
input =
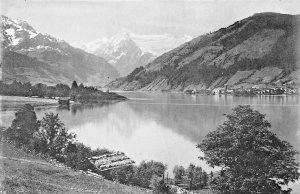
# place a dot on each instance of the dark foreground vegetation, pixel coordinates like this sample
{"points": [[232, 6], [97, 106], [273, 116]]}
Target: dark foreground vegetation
{"points": [[79, 93], [252, 158]]}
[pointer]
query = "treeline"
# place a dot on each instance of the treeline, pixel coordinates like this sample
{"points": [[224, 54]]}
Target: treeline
{"points": [[143, 175], [193, 177], [79, 92], [40, 90], [152, 175]]}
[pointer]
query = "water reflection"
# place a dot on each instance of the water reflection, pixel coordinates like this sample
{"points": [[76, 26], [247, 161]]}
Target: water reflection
{"points": [[167, 127], [139, 134], [81, 108]]}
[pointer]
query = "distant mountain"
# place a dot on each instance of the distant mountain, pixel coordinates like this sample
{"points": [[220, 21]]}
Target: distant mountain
{"points": [[127, 50], [258, 50], [36, 57], [120, 51]]}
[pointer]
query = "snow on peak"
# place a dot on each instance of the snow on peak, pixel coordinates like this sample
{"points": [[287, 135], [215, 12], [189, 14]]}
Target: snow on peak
{"points": [[107, 46], [16, 30], [17, 24], [156, 44], [123, 35]]}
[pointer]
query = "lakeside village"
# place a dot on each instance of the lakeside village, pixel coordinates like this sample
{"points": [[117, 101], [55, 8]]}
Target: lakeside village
{"points": [[253, 91]]}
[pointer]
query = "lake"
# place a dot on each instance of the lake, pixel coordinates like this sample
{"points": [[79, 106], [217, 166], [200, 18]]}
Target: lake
{"points": [[166, 127]]}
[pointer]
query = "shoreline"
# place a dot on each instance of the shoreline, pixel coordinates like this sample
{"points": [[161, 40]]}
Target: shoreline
{"points": [[16, 102]]}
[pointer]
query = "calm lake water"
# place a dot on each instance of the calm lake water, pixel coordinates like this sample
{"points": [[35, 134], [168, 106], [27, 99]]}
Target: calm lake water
{"points": [[167, 127]]}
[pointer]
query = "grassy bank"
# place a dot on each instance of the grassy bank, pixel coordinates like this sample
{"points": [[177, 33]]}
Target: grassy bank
{"points": [[24, 173]]}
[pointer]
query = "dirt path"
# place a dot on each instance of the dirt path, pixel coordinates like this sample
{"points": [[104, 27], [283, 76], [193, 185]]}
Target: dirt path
{"points": [[25, 160]]}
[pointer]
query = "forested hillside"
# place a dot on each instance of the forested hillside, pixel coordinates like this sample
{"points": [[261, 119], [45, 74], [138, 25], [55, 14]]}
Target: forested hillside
{"points": [[258, 50]]}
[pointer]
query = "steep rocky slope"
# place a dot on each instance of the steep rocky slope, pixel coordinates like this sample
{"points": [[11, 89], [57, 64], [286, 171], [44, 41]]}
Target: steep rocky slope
{"points": [[120, 51], [261, 49], [36, 57]]}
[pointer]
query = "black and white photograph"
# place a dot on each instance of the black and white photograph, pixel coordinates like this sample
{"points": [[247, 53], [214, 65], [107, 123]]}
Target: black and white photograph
{"points": [[150, 96]]}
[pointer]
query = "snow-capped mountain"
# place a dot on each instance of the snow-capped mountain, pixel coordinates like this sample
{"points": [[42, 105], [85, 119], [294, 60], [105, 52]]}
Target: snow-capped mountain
{"points": [[55, 60], [127, 50], [120, 51]]}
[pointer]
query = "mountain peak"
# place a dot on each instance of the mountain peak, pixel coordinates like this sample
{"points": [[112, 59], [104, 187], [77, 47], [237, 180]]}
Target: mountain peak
{"points": [[123, 38], [39, 57], [20, 24]]}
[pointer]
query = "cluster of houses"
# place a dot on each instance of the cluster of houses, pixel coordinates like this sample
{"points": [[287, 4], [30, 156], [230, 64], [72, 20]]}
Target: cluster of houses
{"points": [[254, 90], [111, 161]]}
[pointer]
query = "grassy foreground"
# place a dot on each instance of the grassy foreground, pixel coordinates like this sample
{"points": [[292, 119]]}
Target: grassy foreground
{"points": [[23, 173]]}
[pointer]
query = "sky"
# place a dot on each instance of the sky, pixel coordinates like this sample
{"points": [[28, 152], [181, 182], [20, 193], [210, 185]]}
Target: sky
{"points": [[82, 21]]}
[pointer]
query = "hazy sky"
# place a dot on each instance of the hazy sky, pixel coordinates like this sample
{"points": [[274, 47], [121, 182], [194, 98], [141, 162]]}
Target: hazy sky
{"points": [[82, 21]]}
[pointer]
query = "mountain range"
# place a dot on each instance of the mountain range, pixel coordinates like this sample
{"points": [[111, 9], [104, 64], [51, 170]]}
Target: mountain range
{"points": [[260, 50], [32, 56], [127, 50]]}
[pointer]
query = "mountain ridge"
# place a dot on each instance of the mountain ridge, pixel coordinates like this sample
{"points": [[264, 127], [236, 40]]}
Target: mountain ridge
{"points": [[64, 63], [264, 45]]}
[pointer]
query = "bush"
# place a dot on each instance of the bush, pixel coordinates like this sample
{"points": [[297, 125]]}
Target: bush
{"points": [[53, 136], [123, 174]]}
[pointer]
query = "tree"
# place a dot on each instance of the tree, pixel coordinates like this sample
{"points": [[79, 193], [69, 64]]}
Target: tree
{"points": [[146, 170], [198, 176], [81, 87], [204, 179], [23, 126], [179, 172], [252, 158], [74, 85], [123, 174], [159, 186], [40, 90], [62, 90], [191, 175], [53, 135], [77, 155]]}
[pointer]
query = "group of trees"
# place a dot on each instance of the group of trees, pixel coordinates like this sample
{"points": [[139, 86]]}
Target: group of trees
{"points": [[48, 137], [79, 92], [151, 175], [194, 176], [142, 175], [40, 90]]}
